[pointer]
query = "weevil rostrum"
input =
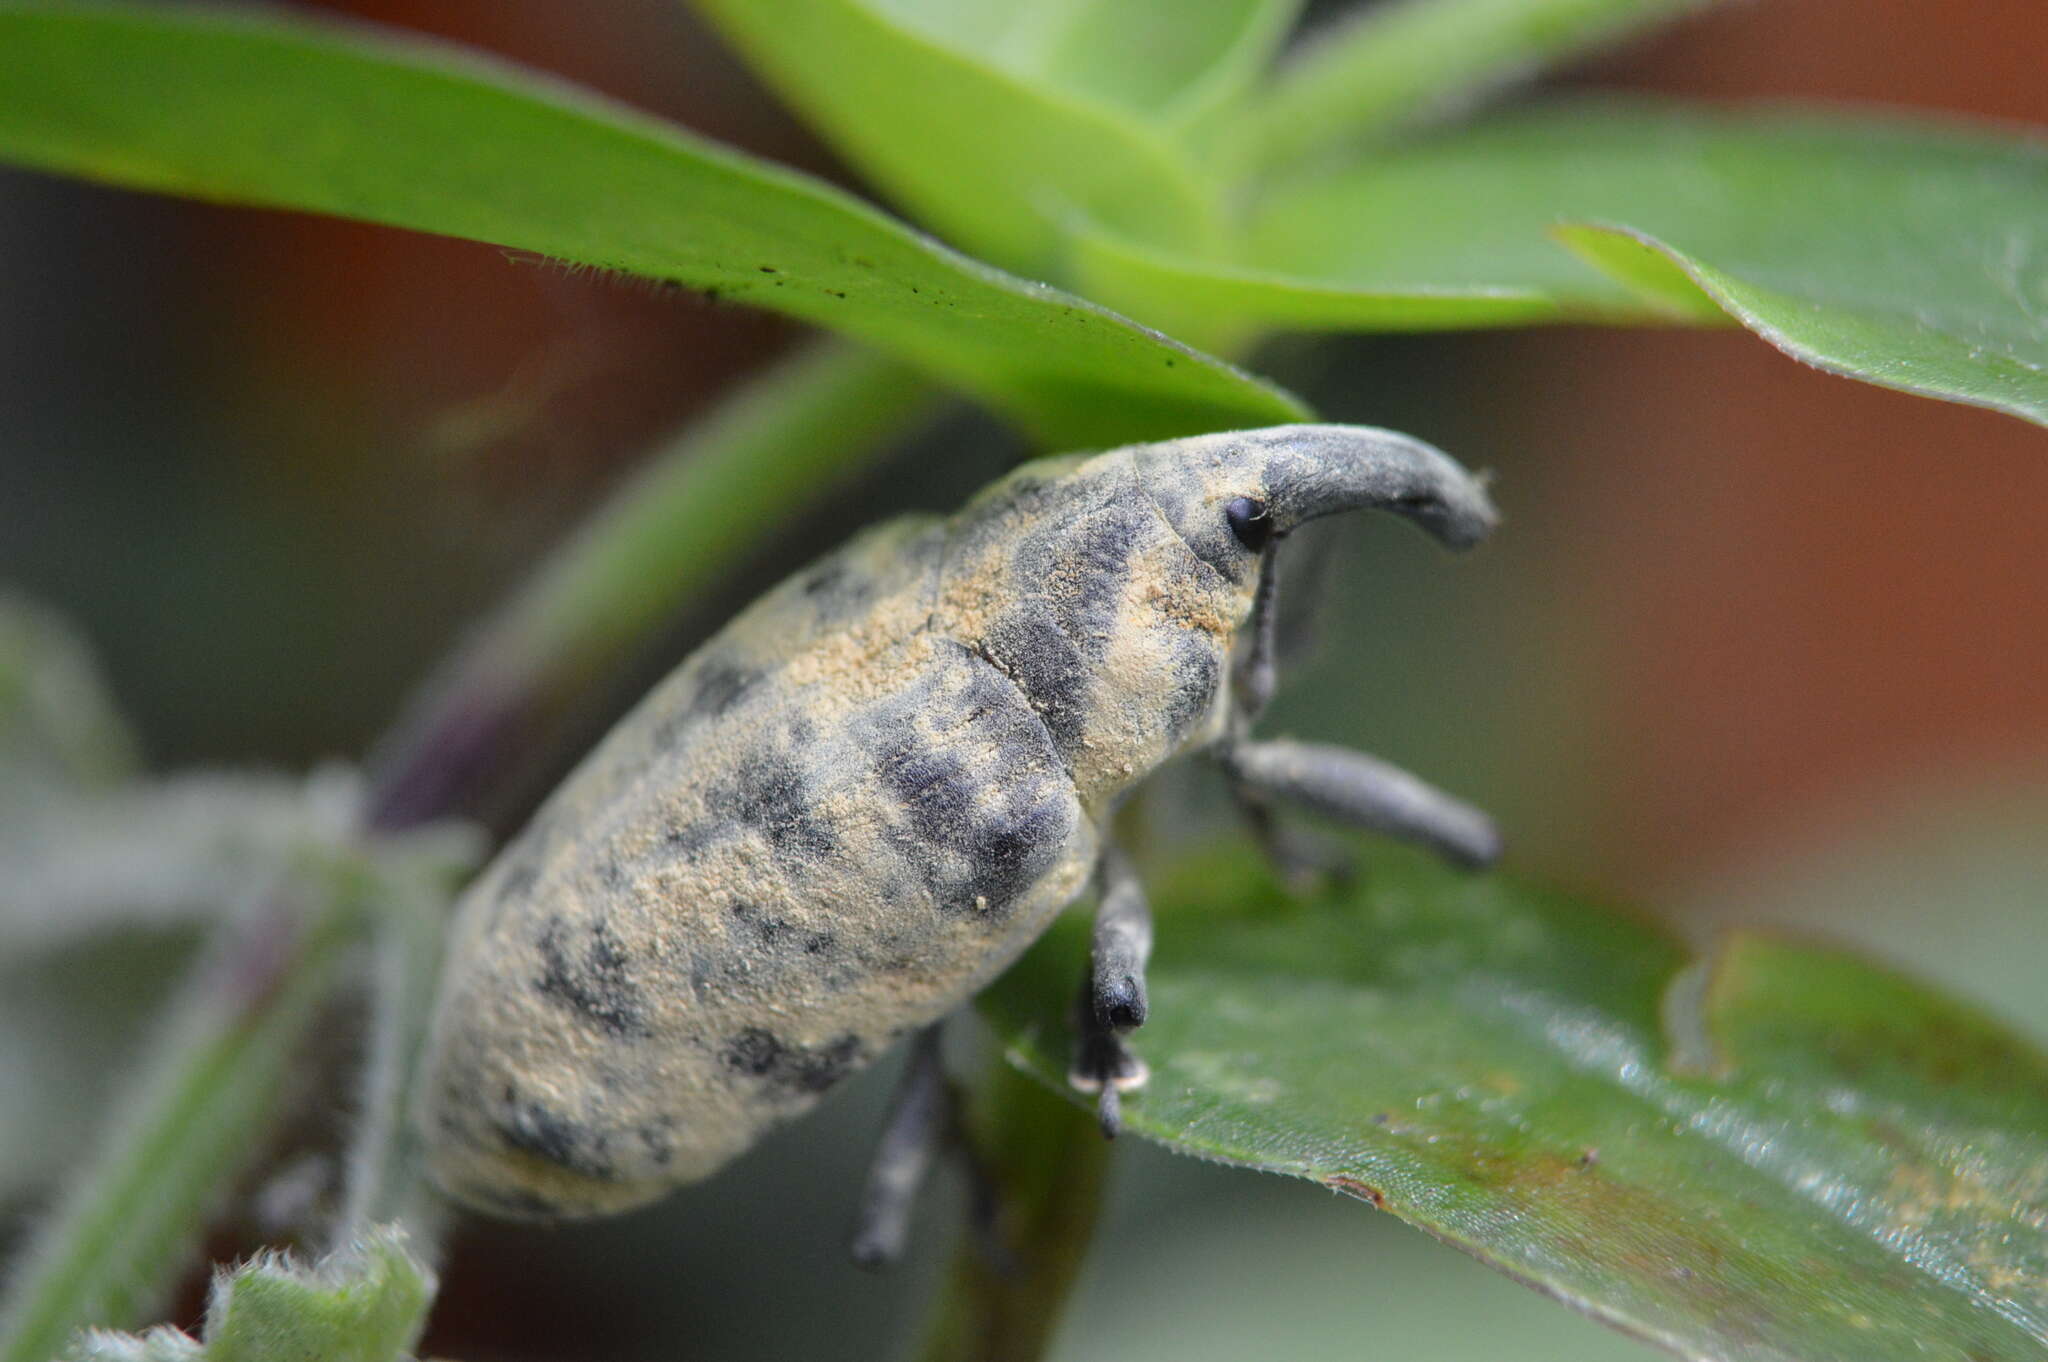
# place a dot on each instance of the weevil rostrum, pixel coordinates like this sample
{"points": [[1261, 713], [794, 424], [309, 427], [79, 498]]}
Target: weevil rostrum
{"points": [[860, 801]]}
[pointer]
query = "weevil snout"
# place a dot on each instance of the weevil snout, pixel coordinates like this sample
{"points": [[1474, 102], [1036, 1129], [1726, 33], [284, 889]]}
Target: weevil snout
{"points": [[1229, 494]]}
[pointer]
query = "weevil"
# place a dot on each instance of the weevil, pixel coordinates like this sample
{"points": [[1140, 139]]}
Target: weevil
{"points": [[864, 797]]}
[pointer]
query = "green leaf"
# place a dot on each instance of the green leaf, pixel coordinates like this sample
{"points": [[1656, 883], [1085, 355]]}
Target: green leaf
{"points": [[1391, 64], [998, 121], [1151, 58], [1908, 255], [366, 1302], [1778, 1152], [290, 114], [1221, 304]]}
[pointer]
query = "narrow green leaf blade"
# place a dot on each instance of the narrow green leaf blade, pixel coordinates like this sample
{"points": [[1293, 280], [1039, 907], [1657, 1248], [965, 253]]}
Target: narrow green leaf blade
{"points": [[1907, 254], [1391, 64], [1148, 57], [962, 114], [1218, 303], [1778, 1153], [289, 114]]}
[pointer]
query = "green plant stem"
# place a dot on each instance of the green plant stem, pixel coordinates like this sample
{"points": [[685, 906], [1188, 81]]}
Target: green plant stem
{"points": [[1368, 76], [130, 1214], [1046, 1160], [695, 510], [386, 1180]]}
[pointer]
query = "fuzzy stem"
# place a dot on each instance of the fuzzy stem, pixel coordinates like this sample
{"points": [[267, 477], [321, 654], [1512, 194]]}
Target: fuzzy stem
{"points": [[130, 1214], [386, 1182], [1046, 1161], [690, 514]]}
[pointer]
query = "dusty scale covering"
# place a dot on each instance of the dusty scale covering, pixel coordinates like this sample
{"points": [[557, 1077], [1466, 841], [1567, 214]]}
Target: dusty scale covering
{"points": [[855, 805]]}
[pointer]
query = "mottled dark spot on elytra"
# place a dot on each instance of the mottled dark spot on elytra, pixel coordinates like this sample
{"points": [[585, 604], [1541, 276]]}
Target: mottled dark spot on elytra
{"points": [[820, 943], [981, 834], [658, 1137], [793, 1068], [533, 1127], [769, 796], [720, 686], [684, 839], [514, 884], [825, 579], [756, 926], [1029, 647], [1016, 845], [517, 879], [588, 972], [836, 592], [1089, 568], [1197, 669]]}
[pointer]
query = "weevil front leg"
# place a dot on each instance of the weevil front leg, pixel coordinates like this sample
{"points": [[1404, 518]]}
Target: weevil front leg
{"points": [[1349, 786], [1112, 1002], [1255, 676], [1364, 792]]}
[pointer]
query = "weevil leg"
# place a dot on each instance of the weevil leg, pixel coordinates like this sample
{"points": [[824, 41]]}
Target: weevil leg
{"points": [[1259, 669], [1304, 863], [1366, 792], [921, 1119], [1301, 863], [1112, 1002]]}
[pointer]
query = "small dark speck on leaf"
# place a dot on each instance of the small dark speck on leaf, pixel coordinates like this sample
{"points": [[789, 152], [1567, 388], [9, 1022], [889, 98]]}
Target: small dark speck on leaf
{"points": [[1364, 1191], [1589, 1158], [836, 293], [769, 269], [1380, 1118]]}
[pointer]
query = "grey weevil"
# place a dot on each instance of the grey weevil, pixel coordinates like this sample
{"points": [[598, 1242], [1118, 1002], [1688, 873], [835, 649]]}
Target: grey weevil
{"points": [[863, 798]]}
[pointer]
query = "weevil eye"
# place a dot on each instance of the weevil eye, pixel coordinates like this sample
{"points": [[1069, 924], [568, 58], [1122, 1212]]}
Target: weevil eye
{"points": [[1249, 522]]}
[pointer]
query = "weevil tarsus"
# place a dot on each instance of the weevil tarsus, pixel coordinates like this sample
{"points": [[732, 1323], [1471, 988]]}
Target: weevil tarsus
{"points": [[1122, 943], [1112, 1002]]}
